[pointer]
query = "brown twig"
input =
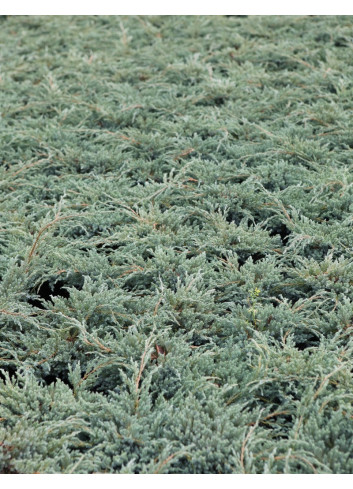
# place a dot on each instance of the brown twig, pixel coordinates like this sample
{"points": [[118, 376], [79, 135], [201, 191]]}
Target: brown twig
{"points": [[11, 313], [87, 374], [164, 462], [43, 229], [245, 441], [183, 153]]}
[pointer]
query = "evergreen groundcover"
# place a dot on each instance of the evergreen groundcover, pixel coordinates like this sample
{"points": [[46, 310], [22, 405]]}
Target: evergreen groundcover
{"points": [[176, 244]]}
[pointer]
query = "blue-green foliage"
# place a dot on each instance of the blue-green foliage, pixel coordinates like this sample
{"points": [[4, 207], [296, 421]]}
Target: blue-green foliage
{"points": [[176, 240]]}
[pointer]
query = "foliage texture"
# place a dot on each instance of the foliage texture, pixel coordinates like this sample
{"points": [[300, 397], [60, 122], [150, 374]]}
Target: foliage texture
{"points": [[176, 236]]}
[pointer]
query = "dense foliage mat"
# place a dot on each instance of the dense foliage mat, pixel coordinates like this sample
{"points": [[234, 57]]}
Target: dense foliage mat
{"points": [[176, 244]]}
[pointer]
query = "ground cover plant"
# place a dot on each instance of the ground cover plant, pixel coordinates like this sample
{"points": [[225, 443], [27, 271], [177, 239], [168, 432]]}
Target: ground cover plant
{"points": [[176, 244]]}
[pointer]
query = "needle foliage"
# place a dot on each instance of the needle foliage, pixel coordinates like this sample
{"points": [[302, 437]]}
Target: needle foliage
{"points": [[176, 237]]}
